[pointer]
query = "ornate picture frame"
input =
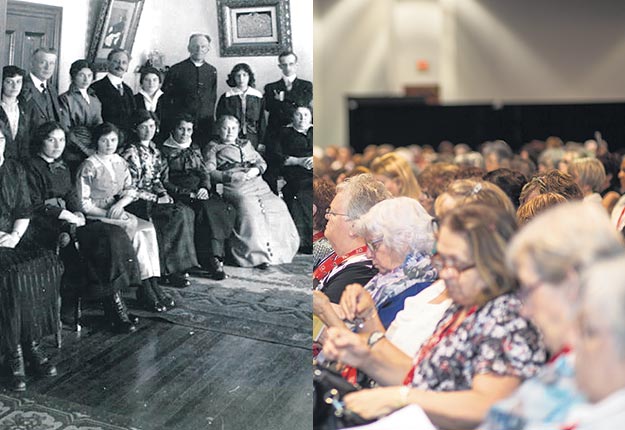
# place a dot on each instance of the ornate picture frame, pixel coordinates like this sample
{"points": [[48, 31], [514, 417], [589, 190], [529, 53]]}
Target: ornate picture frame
{"points": [[253, 27], [116, 27]]}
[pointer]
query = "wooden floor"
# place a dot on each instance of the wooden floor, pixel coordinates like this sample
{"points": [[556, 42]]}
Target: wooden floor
{"points": [[166, 376]]}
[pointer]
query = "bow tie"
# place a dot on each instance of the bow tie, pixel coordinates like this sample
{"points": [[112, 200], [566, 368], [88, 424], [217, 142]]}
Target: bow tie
{"points": [[56, 165]]}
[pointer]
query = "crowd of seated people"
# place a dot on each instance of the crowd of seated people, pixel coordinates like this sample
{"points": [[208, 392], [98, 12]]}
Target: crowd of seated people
{"points": [[103, 191], [526, 289]]}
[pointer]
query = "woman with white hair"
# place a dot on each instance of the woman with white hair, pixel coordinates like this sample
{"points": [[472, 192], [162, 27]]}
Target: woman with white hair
{"points": [[600, 346], [400, 248], [589, 175]]}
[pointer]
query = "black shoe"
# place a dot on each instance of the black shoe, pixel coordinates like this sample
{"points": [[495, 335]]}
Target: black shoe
{"points": [[179, 280], [115, 309], [262, 266], [18, 372], [38, 360], [147, 297], [163, 298], [215, 269]]}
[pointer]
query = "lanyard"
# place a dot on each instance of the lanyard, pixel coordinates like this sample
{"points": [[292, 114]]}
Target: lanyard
{"points": [[333, 261]]}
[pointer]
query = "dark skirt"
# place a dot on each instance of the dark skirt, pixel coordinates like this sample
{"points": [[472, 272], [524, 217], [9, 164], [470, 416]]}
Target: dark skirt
{"points": [[174, 224], [298, 196], [30, 278]]}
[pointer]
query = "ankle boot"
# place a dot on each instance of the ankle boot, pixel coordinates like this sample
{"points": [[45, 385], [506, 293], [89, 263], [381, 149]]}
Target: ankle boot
{"points": [[15, 361], [116, 310], [147, 297], [163, 298], [38, 360]]}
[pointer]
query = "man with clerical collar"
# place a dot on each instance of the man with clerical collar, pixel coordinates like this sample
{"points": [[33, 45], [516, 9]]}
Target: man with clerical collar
{"points": [[39, 97], [191, 87], [118, 102], [354, 197], [282, 98]]}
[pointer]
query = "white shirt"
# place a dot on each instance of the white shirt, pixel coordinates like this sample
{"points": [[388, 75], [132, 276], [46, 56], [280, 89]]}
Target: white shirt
{"points": [[151, 102], [38, 82], [115, 80], [608, 414]]}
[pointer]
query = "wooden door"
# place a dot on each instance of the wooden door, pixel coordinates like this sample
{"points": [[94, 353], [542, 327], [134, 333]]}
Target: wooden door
{"points": [[30, 26]]}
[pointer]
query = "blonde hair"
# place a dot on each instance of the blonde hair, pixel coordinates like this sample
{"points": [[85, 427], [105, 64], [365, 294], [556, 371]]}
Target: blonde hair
{"points": [[394, 166], [589, 172]]}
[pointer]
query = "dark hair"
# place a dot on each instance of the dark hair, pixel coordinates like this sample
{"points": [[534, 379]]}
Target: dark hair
{"points": [[116, 51], [612, 164], [12, 71], [247, 69], [510, 181], [146, 70], [78, 65], [204, 35], [102, 130], [180, 117], [324, 191], [42, 132], [286, 54], [142, 115], [553, 181]]}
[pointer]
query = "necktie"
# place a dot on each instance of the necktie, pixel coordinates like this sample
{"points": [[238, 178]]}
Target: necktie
{"points": [[120, 88], [44, 90]]}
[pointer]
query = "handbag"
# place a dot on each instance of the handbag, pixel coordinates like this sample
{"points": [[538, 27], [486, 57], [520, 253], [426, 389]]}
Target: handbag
{"points": [[329, 388]]}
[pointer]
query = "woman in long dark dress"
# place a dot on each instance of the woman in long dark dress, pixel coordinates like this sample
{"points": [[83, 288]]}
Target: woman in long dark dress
{"points": [[245, 103], [29, 280], [12, 114], [293, 151], [186, 179], [100, 260], [264, 233], [173, 221]]}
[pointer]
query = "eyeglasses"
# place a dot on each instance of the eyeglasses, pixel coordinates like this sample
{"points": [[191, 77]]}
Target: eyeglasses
{"points": [[330, 212], [439, 263], [374, 245]]}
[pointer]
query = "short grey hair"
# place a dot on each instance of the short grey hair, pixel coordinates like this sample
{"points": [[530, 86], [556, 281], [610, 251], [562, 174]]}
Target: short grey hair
{"points": [[568, 236], [363, 192], [603, 286], [402, 223]]}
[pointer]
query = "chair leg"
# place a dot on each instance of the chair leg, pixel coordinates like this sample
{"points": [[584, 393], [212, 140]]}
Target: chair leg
{"points": [[78, 314], [59, 329]]}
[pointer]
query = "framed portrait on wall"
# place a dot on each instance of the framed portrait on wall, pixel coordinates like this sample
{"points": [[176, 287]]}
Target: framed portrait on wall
{"points": [[115, 28], [253, 27]]}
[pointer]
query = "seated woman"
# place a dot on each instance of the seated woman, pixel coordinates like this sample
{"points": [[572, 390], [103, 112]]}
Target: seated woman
{"points": [[29, 279], [245, 103], [589, 175], [293, 151], [173, 222], [84, 112], [264, 233], [186, 179], [104, 190], [482, 348], [396, 174], [104, 261], [13, 115], [400, 248], [324, 191]]}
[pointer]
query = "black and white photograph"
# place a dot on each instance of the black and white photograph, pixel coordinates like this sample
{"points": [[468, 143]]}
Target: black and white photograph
{"points": [[156, 215]]}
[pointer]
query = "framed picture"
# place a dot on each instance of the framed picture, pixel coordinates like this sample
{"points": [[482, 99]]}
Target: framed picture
{"points": [[116, 27], [253, 27]]}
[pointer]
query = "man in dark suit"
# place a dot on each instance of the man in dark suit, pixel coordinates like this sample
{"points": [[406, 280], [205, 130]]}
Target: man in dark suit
{"points": [[282, 99], [191, 87], [39, 99], [118, 102]]}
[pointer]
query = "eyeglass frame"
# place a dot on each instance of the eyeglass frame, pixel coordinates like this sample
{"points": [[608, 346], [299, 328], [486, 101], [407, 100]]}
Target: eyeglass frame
{"points": [[331, 212], [371, 245], [441, 265]]}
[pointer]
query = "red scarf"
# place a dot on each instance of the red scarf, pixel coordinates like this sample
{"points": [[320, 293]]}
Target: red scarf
{"points": [[438, 336]]}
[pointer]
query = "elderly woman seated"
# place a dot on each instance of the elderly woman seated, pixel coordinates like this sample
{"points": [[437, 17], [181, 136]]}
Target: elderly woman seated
{"points": [[482, 348], [600, 347], [548, 260], [400, 248]]}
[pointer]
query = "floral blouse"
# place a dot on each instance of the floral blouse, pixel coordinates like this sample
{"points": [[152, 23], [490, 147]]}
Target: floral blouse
{"points": [[495, 339], [145, 167], [223, 159]]}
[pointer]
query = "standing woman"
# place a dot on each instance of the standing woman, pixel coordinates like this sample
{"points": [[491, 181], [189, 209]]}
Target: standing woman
{"points": [[104, 190], [294, 152], [245, 103], [264, 232], [84, 112], [13, 116], [173, 222], [29, 280], [185, 177], [104, 261], [149, 95]]}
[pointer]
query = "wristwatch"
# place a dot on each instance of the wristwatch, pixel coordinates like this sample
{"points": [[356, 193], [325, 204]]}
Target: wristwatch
{"points": [[374, 338]]}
